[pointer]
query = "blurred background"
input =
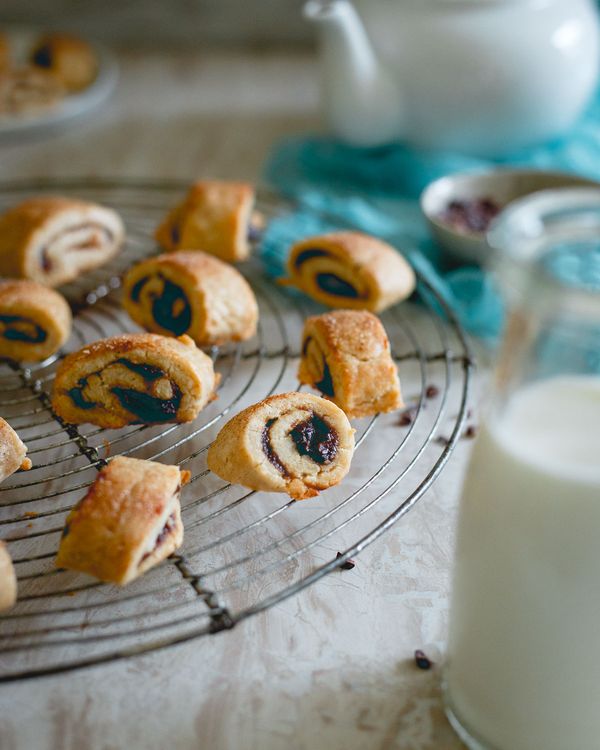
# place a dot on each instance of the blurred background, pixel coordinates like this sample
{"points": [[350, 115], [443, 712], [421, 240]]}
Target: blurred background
{"points": [[193, 23]]}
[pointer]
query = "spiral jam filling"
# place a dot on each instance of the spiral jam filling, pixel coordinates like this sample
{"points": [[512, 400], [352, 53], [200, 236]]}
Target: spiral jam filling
{"points": [[42, 56], [19, 328], [332, 284], [171, 308], [325, 385], [165, 532], [102, 235], [268, 450], [308, 255], [313, 437], [144, 406]]}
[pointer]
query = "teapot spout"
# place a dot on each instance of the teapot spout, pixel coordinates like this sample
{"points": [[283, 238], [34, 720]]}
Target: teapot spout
{"points": [[361, 99]]}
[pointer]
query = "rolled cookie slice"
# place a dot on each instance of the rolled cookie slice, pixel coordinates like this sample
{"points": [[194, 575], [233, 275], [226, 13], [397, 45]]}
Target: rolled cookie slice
{"points": [[35, 321], [53, 240], [293, 442], [192, 293], [351, 270], [136, 378], [346, 355], [127, 523], [215, 217], [27, 91], [13, 451], [8, 579], [70, 59]]}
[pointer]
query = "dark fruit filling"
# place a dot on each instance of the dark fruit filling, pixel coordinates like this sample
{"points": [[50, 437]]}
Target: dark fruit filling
{"points": [[332, 284], [148, 409], [316, 439], [77, 397], [175, 234], [22, 329], [307, 255], [165, 531], [148, 372], [42, 57], [255, 233], [268, 448], [93, 244], [325, 385], [471, 215], [136, 289], [164, 306]]}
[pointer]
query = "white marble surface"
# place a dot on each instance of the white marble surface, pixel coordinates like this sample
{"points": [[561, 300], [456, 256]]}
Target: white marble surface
{"points": [[331, 668]]}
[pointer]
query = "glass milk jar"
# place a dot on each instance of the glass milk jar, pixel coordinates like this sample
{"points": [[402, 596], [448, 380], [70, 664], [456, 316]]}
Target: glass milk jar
{"points": [[523, 670]]}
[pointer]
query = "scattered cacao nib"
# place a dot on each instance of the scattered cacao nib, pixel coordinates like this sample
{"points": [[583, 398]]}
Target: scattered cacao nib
{"points": [[422, 660], [348, 565], [441, 440], [470, 432], [432, 391], [473, 215], [407, 417]]}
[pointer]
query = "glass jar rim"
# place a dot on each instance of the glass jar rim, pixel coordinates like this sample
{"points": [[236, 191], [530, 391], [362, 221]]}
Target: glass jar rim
{"points": [[530, 226]]}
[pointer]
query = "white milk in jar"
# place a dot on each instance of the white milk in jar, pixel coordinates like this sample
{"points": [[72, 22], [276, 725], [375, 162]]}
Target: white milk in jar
{"points": [[523, 666]]}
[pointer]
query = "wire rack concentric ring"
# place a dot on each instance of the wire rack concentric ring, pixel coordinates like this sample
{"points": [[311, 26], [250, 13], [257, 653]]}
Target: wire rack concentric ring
{"points": [[243, 551]]}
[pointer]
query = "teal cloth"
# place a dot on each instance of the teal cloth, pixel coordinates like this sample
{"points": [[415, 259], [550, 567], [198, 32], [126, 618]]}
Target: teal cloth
{"points": [[377, 190]]}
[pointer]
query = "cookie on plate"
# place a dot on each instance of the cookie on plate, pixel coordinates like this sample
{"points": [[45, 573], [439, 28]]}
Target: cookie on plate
{"points": [[292, 442], [214, 217], [127, 523], [35, 321], [5, 52], [350, 270], [192, 293], [135, 378], [13, 451], [346, 355], [53, 240], [70, 59], [27, 91], [8, 579]]}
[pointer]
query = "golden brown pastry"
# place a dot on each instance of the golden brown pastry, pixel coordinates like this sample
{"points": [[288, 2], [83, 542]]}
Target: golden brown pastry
{"points": [[351, 270], [214, 217], [346, 355], [70, 59], [8, 579], [136, 378], [293, 442], [53, 240], [13, 452], [27, 91], [127, 523], [5, 53], [35, 321], [192, 293]]}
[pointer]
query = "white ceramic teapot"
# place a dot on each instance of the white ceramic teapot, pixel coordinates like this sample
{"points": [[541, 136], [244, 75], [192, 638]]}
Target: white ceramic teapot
{"points": [[478, 76]]}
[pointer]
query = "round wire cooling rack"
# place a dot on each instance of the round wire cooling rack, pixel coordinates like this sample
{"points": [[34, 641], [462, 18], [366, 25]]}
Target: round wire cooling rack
{"points": [[243, 551]]}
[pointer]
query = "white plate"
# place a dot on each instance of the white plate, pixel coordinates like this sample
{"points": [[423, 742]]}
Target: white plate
{"points": [[73, 106]]}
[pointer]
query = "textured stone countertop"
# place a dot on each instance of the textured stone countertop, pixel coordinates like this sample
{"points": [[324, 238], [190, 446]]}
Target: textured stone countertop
{"points": [[332, 667]]}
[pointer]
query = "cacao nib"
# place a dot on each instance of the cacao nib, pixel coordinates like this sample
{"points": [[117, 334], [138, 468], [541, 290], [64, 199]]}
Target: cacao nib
{"points": [[422, 660], [347, 565]]}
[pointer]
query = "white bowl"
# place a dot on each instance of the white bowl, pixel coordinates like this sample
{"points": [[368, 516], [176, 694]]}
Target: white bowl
{"points": [[500, 185]]}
